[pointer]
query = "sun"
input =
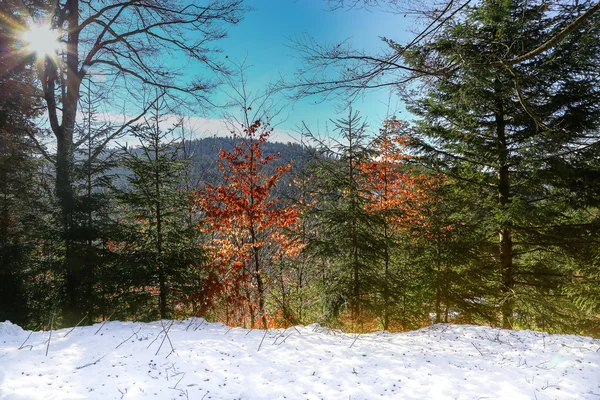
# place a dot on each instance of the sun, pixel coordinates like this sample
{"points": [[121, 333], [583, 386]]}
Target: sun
{"points": [[41, 39]]}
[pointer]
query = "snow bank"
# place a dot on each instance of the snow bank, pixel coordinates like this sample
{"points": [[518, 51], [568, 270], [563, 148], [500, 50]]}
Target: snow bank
{"points": [[7, 328], [199, 360]]}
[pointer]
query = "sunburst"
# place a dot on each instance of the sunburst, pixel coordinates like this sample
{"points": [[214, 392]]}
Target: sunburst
{"points": [[41, 40]]}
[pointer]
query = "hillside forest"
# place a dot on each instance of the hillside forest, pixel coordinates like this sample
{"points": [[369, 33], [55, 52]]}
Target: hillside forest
{"points": [[479, 205]]}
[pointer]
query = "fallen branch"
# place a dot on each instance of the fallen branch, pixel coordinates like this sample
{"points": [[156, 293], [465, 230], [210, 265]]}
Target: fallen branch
{"points": [[282, 333], [191, 322], [261, 342], [72, 329], [166, 337], [30, 333], [285, 338], [50, 337], [105, 321], [175, 387], [476, 348], [203, 321], [134, 334], [92, 363], [355, 339]]}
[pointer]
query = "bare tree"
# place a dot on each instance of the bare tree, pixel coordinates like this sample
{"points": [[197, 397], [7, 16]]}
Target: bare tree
{"points": [[331, 70], [142, 49]]}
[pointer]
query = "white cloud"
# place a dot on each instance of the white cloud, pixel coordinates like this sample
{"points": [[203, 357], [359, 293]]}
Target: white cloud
{"points": [[198, 127]]}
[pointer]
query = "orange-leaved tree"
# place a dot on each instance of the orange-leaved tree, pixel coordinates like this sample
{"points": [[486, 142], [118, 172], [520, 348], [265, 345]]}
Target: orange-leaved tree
{"points": [[247, 224], [394, 191]]}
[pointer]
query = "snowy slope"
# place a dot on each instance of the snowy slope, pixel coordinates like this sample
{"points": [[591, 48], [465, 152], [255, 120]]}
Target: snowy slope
{"points": [[212, 361]]}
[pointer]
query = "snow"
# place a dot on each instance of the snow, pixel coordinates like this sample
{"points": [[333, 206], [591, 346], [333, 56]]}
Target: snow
{"points": [[127, 360]]}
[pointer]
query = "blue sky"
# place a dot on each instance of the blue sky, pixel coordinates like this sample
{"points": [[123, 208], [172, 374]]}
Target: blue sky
{"points": [[263, 40]]}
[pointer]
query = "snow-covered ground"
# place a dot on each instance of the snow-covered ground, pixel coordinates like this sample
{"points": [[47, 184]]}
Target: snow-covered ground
{"points": [[211, 361]]}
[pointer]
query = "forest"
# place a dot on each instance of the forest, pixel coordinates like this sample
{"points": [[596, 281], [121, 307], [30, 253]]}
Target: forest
{"points": [[478, 205]]}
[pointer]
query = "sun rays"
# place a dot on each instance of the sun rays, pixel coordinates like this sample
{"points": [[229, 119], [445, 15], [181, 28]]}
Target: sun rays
{"points": [[22, 40], [41, 40]]}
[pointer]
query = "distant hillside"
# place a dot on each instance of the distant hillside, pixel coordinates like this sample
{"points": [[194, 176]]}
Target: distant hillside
{"points": [[205, 153]]}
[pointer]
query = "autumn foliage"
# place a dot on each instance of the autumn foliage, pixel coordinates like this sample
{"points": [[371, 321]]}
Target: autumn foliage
{"points": [[258, 245], [246, 223], [396, 194]]}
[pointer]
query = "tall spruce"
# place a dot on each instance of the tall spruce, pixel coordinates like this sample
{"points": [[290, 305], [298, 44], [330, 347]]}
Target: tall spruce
{"points": [[160, 246], [19, 168], [345, 237], [503, 128]]}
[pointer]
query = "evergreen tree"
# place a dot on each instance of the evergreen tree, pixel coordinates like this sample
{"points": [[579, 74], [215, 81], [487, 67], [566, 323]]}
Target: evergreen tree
{"points": [[345, 237], [91, 225], [396, 197], [501, 129], [19, 167], [161, 253]]}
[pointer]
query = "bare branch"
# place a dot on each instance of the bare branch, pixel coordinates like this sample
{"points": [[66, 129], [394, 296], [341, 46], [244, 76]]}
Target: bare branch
{"points": [[556, 39]]}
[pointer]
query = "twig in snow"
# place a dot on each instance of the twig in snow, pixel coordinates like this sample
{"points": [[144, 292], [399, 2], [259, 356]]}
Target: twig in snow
{"points": [[203, 321], [544, 368], [72, 329], [30, 333], [175, 387], [207, 392], [191, 321], [226, 332], [476, 348], [50, 337], [261, 342], [155, 339], [282, 333], [547, 385], [92, 363], [355, 339], [134, 334], [285, 338], [105, 321], [183, 393], [166, 337], [297, 330]]}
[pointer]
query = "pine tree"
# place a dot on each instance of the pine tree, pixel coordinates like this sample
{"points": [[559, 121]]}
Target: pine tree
{"points": [[91, 225], [396, 197], [159, 245], [345, 237], [501, 129], [19, 165]]}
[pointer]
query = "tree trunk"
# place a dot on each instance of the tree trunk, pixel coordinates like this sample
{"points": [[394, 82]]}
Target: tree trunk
{"points": [[258, 273], [259, 283], [162, 281], [505, 237], [438, 285], [63, 131], [386, 283]]}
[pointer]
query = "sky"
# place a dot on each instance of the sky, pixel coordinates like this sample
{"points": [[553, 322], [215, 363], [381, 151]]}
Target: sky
{"points": [[263, 41]]}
